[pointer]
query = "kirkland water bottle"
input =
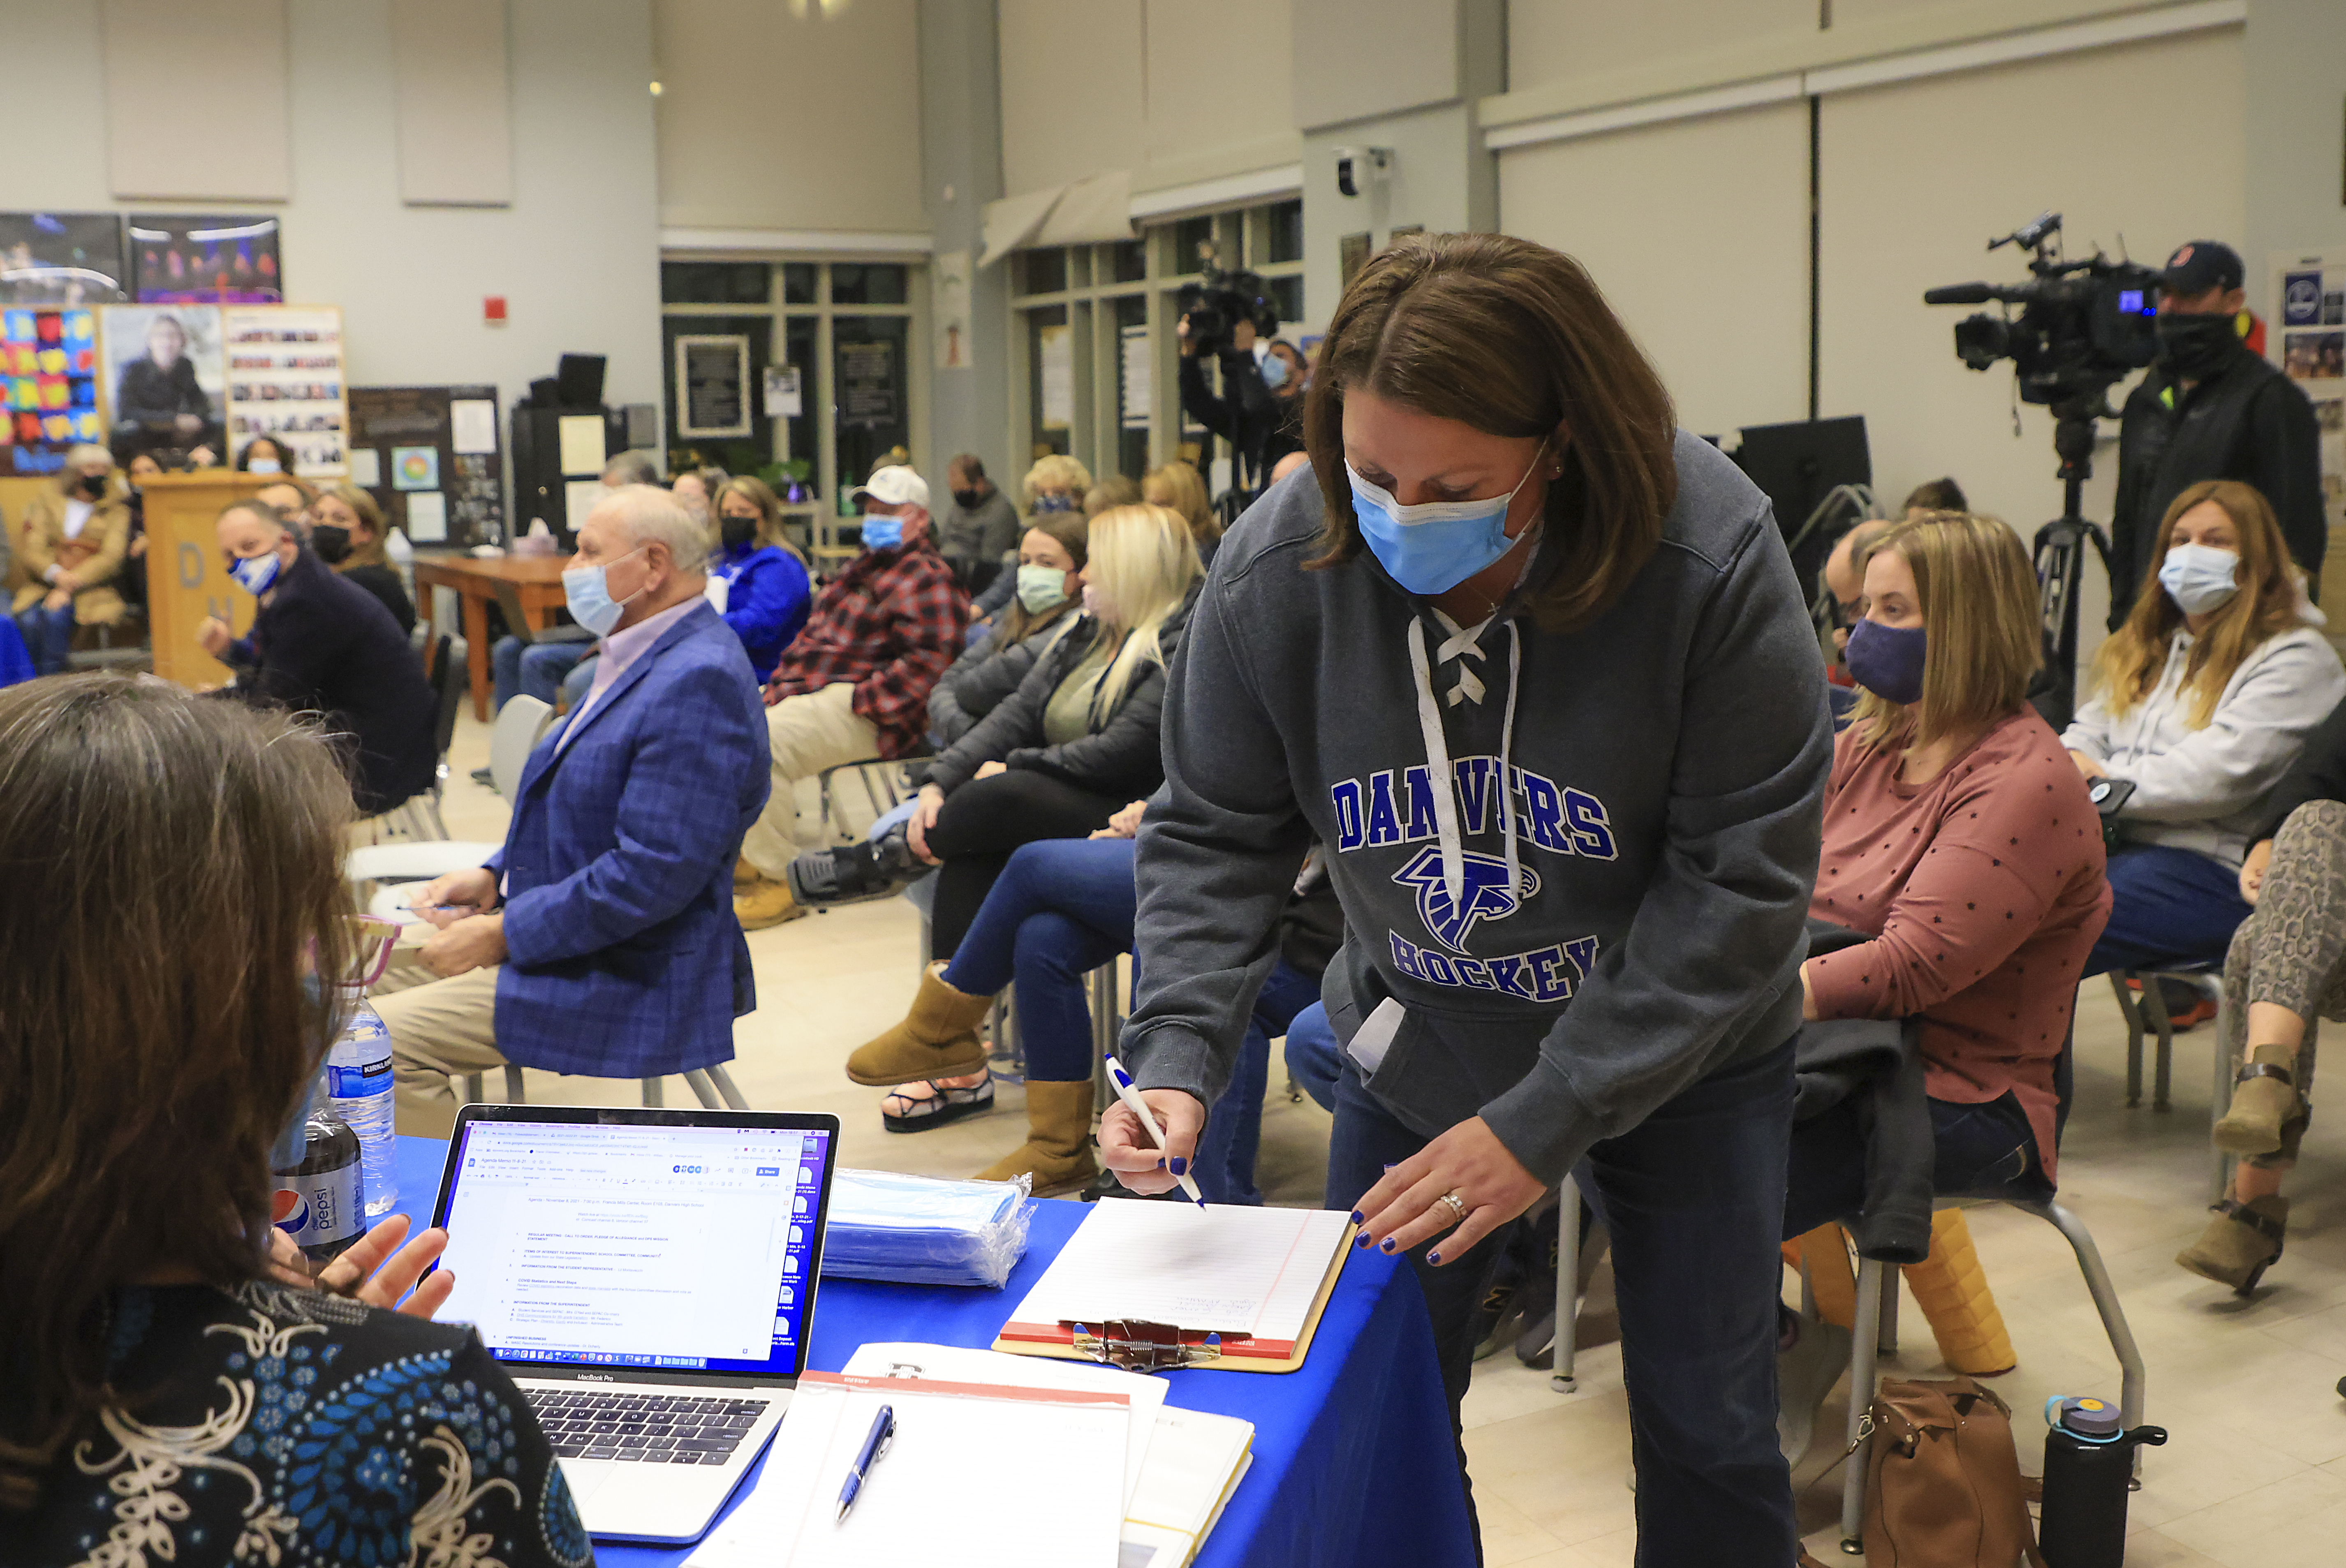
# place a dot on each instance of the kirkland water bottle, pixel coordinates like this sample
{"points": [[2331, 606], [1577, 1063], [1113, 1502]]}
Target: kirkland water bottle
{"points": [[317, 1196], [358, 1068], [2088, 1469]]}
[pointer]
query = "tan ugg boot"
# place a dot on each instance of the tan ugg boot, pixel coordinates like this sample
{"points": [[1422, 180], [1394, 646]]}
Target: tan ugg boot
{"points": [[744, 874], [2240, 1244], [937, 1039], [1058, 1152], [763, 903], [2264, 1098]]}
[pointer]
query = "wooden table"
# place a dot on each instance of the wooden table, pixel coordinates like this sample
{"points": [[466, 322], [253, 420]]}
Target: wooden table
{"points": [[536, 581]]}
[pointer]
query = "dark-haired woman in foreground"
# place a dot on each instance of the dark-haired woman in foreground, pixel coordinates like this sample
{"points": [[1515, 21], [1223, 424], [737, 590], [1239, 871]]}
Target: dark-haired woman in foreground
{"points": [[166, 1394], [1531, 663]]}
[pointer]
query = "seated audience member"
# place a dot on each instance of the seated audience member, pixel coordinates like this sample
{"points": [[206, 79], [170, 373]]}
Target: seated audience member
{"points": [[346, 530], [1116, 490], [980, 529], [320, 644], [1935, 495], [630, 468], [696, 489], [1049, 596], [2200, 701], [765, 590], [293, 497], [175, 1387], [1056, 483], [69, 550], [264, 454], [1078, 738], [133, 580], [2288, 963], [1062, 908], [1289, 464], [597, 939], [854, 684], [1176, 488], [1978, 916]]}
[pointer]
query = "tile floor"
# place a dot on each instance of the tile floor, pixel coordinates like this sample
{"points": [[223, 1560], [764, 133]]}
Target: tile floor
{"points": [[2254, 1475]]}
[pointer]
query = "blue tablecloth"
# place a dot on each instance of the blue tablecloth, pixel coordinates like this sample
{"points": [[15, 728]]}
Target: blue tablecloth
{"points": [[1344, 1446]]}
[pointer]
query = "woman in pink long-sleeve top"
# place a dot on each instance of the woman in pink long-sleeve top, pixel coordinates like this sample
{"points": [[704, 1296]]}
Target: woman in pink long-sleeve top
{"points": [[1959, 837]]}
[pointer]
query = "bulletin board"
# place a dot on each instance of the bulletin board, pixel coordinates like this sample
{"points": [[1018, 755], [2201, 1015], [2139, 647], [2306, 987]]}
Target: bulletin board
{"points": [[431, 458], [285, 382], [2307, 340]]}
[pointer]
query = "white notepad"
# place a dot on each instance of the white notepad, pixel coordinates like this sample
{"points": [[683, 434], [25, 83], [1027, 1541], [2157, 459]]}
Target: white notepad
{"points": [[1226, 1269], [1069, 1511], [1195, 1463]]}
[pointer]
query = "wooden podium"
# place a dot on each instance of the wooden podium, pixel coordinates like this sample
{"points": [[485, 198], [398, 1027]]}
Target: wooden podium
{"points": [[187, 578]]}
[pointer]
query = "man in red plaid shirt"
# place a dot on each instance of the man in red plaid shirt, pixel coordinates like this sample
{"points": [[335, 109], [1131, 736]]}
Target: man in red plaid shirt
{"points": [[856, 682]]}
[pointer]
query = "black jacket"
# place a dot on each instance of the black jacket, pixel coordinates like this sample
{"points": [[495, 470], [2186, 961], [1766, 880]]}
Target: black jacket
{"points": [[2317, 774], [2249, 422], [1877, 1062], [1272, 426], [383, 583], [327, 646], [1122, 756], [984, 674]]}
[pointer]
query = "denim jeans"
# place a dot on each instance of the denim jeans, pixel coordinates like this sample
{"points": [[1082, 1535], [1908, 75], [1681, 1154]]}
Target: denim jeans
{"points": [[1982, 1150], [1314, 1058], [2167, 906], [48, 637], [1693, 1196], [535, 670], [1224, 1165]]}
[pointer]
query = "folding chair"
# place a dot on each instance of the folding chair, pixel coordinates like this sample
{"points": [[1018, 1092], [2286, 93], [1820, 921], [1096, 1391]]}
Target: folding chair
{"points": [[2204, 977]]}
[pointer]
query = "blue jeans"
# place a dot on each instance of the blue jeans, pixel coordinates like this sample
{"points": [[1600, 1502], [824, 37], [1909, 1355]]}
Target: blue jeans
{"points": [[15, 660], [2167, 906], [1694, 1198], [1224, 1165], [532, 668], [1314, 1058], [48, 637], [1982, 1150]]}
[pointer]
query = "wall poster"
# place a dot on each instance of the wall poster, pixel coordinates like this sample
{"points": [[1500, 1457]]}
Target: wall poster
{"points": [[430, 458], [165, 382], [61, 258], [285, 379], [49, 370], [208, 258], [712, 386], [2309, 339]]}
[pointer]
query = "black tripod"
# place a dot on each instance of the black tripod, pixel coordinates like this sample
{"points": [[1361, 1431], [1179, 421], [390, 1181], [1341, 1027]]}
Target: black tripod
{"points": [[2060, 555]]}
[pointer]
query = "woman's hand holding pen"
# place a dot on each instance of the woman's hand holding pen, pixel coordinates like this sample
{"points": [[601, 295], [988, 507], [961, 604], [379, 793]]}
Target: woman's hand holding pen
{"points": [[1411, 1205], [1125, 1147]]}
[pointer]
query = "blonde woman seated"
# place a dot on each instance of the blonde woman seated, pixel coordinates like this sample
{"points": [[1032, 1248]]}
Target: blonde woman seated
{"points": [[2286, 965], [1179, 487], [1075, 743], [1057, 482], [2200, 702]]}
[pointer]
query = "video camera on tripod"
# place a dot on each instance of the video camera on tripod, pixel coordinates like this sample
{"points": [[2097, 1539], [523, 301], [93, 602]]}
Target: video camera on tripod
{"points": [[1218, 301], [2083, 327]]}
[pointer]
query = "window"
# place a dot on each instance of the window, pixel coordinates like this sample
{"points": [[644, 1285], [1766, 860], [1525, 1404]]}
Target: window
{"points": [[1093, 333], [848, 329]]}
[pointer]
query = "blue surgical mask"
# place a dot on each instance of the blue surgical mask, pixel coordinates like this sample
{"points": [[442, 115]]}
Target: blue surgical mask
{"points": [[1053, 503], [2199, 579], [882, 531], [1432, 547], [1888, 660], [256, 574], [1274, 372], [587, 593], [1041, 588]]}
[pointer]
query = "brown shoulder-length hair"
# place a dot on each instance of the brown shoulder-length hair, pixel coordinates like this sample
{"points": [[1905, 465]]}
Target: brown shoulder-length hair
{"points": [[174, 868], [1514, 340], [760, 495], [2128, 669], [1977, 594], [364, 507], [1072, 531]]}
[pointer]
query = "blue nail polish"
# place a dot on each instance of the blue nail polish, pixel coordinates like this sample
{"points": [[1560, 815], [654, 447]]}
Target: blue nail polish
{"points": [[1356, 1216], [1180, 1166], [1434, 1258], [1388, 1244], [1362, 1239], [1160, 1165]]}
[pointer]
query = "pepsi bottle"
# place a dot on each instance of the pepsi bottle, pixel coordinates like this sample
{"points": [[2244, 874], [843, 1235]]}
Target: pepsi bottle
{"points": [[319, 1197], [2088, 1470]]}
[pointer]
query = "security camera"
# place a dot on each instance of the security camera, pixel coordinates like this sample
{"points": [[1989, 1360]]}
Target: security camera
{"points": [[1357, 168]]}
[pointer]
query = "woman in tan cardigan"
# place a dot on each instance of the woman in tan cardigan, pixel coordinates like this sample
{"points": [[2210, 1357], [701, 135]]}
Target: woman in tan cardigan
{"points": [[69, 550]]}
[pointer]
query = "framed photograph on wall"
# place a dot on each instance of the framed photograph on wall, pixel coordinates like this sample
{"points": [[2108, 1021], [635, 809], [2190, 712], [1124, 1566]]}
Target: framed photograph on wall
{"points": [[214, 258], [63, 259], [712, 384], [166, 380]]}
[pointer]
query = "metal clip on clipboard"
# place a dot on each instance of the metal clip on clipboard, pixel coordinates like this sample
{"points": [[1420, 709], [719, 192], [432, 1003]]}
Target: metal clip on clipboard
{"points": [[1138, 1346]]}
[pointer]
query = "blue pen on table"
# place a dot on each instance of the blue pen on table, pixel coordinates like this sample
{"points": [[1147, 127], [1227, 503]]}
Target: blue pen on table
{"points": [[1131, 1097], [877, 1443]]}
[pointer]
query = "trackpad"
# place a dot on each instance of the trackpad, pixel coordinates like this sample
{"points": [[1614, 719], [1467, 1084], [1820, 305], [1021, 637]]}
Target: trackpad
{"points": [[584, 1477]]}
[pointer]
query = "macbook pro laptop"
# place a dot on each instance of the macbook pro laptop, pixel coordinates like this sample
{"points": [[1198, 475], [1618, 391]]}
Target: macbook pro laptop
{"points": [[648, 1276]]}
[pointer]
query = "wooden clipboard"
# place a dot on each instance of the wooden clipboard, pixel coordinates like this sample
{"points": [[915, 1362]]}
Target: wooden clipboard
{"points": [[1239, 1353]]}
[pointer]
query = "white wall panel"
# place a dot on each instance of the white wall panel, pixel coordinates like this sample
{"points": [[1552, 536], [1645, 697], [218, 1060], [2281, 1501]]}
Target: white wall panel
{"points": [[1551, 40], [1073, 92], [454, 101], [195, 99]]}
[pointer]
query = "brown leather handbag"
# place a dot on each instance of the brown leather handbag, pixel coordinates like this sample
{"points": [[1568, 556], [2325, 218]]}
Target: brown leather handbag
{"points": [[1943, 1482]]}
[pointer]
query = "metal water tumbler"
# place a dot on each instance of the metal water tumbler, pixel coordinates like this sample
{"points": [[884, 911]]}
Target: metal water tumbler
{"points": [[2088, 1470]]}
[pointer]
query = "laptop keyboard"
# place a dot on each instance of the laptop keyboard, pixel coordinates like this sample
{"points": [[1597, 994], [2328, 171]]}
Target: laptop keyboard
{"points": [[655, 1428]]}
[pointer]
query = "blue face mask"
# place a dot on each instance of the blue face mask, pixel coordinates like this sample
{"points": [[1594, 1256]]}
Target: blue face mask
{"points": [[2199, 579], [587, 592], [1432, 547], [882, 531], [256, 574], [1888, 660], [1274, 372], [1055, 503]]}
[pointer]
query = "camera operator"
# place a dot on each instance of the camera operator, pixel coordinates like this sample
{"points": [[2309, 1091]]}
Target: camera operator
{"points": [[2210, 408], [1262, 401]]}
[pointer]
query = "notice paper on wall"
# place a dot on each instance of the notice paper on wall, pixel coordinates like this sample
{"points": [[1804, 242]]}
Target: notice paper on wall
{"points": [[428, 516], [783, 399], [581, 496], [473, 425], [1056, 350], [366, 467], [582, 444]]}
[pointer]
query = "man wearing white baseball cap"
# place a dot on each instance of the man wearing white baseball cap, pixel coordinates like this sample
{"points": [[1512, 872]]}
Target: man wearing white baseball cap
{"points": [[856, 682]]}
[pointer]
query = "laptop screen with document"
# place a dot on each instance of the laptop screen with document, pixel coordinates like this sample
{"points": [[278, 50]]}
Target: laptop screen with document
{"points": [[649, 1241]]}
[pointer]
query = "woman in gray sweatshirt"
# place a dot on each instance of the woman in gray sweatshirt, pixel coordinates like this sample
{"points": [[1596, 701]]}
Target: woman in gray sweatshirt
{"points": [[1532, 663]]}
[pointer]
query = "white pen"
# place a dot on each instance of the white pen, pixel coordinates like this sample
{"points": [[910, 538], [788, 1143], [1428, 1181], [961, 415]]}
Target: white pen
{"points": [[1131, 1097]]}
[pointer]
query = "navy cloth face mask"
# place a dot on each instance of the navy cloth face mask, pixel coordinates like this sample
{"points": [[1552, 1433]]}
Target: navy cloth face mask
{"points": [[1888, 660]]}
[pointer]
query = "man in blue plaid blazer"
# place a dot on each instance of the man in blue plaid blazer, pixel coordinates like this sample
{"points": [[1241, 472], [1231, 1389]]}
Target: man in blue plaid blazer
{"points": [[601, 939]]}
